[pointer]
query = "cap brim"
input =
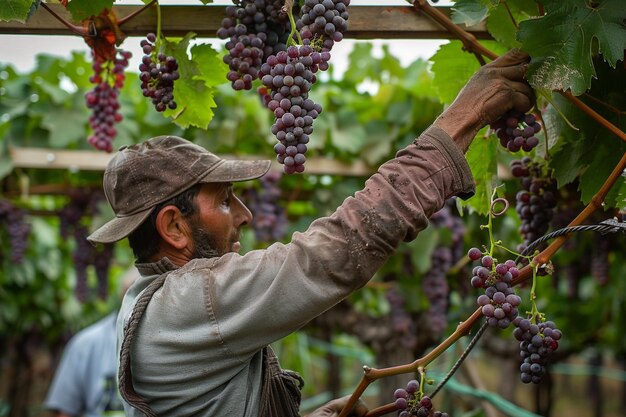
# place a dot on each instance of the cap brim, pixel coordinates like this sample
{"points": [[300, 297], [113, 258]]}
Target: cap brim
{"points": [[118, 228], [237, 170]]}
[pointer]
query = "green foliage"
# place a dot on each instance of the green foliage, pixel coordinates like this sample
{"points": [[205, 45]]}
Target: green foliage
{"points": [[503, 17], [15, 10], [563, 42], [482, 159], [81, 9], [586, 152], [200, 73], [470, 12]]}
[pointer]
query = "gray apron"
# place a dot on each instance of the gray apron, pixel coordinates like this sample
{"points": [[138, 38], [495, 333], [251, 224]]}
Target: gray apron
{"points": [[280, 395]]}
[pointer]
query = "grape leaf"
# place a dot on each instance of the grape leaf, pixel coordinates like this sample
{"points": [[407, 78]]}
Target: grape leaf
{"points": [[15, 10], [503, 20], [481, 157], [470, 12], [194, 91], [568, 161], [605, 158], [452, 69], [564, 40], [208, 58], [84, 9]]}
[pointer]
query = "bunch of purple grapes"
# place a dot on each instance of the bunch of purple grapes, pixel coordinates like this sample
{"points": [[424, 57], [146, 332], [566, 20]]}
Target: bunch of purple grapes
{"points": [[258, 32], [288, 77], [244, 60], [158, 74], [536, 202], [517, 131], [499, 302], [270, 218], [103, 100], [255, 29], [401, 321], [436, 288], [17, 230], [537, 342], [434, 282], [323, 22], [83, 204], [409, 403]]}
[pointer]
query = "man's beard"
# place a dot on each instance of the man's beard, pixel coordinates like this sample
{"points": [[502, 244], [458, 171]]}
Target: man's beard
{"points": [[204, 243]]}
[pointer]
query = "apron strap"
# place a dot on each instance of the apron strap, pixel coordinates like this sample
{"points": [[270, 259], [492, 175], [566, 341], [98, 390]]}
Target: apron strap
{"points": [[281, 394], [125, 375]]}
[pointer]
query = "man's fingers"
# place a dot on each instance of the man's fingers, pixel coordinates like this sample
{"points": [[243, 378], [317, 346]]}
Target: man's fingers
{"points": [[523, 97], [514, 72], [360, 409], [511, 58]]}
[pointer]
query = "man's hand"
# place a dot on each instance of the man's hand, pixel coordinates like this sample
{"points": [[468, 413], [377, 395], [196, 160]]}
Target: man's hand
{"points": [[492, 91], [334, 407]]}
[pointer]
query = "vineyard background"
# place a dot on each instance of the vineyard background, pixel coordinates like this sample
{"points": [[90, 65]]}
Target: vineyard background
{"points": [[375, 107]]}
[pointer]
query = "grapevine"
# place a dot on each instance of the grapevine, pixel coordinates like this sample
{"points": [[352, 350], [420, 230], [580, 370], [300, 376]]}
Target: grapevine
{"points": [[255, 29], [158, 72], [103, 100], [411, 401], [270, 218], [109, 64], [266, 43], [17, 231], [517, 130], [434, 283], [289, 76], [536, 202], [538, 338], [84, 204]]}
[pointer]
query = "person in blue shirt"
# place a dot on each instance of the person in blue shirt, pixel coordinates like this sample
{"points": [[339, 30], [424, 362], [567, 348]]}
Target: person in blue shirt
{"points": [[85, 382]]}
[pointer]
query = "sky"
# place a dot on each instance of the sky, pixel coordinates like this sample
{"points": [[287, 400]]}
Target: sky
{"points": [[21, 50]]}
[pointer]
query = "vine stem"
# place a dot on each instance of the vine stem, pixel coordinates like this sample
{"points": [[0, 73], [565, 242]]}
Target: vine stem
{"points": [[288, 8], [79, 29], [159, 34], [76, 29], [372, 374], [136, 12]]}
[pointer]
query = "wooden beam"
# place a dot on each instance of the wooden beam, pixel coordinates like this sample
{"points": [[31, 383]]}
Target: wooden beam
{"points": [[58, 159], [73, 160], [365, 22]]}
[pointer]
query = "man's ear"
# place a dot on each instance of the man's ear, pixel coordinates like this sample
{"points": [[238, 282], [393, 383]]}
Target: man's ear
{"points": [[172, 227]]}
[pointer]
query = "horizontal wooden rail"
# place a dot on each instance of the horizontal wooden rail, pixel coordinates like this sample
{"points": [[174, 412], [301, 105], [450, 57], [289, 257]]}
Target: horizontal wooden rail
{"points": [[366, 22], [85, 160]]}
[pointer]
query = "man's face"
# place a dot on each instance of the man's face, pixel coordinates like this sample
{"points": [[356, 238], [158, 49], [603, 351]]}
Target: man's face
{"points": [[216, 227]]}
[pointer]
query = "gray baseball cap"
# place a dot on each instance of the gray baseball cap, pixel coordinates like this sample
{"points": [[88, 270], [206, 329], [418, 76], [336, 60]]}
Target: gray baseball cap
{"points": [[140, 176]]}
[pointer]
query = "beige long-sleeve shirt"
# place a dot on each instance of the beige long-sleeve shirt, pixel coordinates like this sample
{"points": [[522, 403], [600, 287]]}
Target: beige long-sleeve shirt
{"points": [[198, 347]]}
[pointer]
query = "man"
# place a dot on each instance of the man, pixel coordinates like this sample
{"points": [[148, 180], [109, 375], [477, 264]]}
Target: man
{"points": [[195, 328], [85, 382]]}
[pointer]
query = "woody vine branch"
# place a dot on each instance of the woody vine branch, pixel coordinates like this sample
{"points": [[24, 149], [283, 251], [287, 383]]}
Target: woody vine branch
{"points": [[472, 45]]}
